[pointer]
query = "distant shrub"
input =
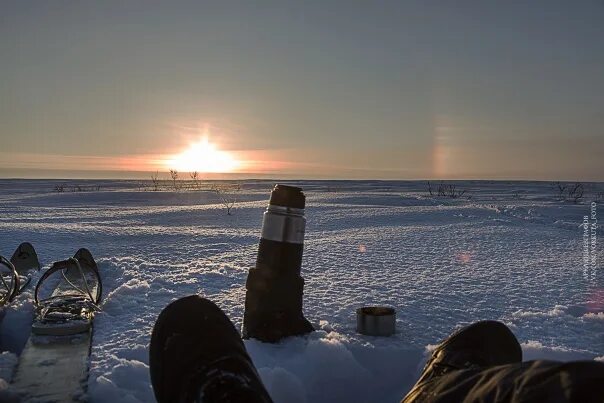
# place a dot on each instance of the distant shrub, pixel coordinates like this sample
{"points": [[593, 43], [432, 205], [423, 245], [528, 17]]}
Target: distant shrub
{"points": [[62, 187], [450, 190], [570, 192], [195, 176], [575, 192], [174, 176], [561, 187], [155, 181], [446, 190], [227, 194]]}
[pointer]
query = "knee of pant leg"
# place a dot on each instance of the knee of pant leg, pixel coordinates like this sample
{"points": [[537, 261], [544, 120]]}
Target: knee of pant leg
{"points": [[577, 381], [583, 380]]}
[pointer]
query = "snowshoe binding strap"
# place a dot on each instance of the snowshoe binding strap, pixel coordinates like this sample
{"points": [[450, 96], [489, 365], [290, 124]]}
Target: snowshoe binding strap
{"points": [[86, 260], [68, 265], [10, 289], [67, 312]]}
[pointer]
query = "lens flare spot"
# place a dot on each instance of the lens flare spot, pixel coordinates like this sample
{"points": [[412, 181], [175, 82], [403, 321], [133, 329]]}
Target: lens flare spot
{"points": [[464, 257]]}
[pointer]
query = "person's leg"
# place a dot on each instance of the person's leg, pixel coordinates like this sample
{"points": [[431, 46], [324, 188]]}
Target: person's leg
{"points": [[482, 363], [197, 355], [477, 346], [532, 381]]}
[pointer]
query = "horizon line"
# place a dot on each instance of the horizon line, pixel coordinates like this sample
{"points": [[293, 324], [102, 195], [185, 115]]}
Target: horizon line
{"points": [[284, 178], [68, 174]]}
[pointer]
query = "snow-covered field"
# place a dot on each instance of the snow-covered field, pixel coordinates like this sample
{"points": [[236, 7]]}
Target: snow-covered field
{"points": [[511, 251]]}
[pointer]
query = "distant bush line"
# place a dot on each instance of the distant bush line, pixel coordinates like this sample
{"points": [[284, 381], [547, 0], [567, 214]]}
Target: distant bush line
{"points": [[449, 190], [61, 188]]}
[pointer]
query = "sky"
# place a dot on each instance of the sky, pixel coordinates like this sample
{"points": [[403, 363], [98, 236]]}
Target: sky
{"points": [[310, 89]]}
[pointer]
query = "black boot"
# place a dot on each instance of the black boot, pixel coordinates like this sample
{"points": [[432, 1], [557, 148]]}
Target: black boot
{"points": [[477, 346], [196, 355]]}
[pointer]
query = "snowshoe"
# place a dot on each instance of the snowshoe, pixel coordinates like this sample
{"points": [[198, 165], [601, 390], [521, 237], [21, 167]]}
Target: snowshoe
{"points": [[54, 364], [25, 260], [73, 303]]}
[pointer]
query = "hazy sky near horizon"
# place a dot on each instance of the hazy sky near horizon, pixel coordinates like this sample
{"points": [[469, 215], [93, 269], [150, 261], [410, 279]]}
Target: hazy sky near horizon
{"points": [[342, 89]]}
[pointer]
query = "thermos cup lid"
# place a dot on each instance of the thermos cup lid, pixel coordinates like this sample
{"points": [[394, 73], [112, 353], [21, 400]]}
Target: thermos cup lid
{"points": [[376, 320], [287, 196]]}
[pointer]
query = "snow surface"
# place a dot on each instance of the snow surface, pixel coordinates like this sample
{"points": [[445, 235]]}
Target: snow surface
{"points": [[506, 250]]}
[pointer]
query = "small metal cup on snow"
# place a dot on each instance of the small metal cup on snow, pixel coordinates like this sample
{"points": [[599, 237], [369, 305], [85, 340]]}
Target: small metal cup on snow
{"points": [[376, 321]]}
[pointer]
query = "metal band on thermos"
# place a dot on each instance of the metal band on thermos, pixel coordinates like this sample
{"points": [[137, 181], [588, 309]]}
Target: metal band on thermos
{"points": [[283, 224]]}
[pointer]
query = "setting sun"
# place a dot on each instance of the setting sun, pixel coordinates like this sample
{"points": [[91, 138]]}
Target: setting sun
{"points": [[203, 157]]}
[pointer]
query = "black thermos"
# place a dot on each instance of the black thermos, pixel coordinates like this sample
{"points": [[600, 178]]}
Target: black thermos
{"points": [[273, 301]]}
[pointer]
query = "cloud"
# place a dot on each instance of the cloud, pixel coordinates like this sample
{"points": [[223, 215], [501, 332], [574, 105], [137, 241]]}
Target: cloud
{"points": [[80, 162]]}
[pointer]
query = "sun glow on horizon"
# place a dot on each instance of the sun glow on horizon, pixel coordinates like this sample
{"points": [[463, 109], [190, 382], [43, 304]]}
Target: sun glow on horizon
{"points": [[204, 157]]}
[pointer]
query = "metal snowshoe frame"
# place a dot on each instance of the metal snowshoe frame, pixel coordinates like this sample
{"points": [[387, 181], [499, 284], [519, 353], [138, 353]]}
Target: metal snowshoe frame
{"points": [[71, 310], [10, 290]]}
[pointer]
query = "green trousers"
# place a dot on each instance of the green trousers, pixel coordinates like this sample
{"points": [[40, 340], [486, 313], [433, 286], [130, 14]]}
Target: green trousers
{"points": [[531, 381]]}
